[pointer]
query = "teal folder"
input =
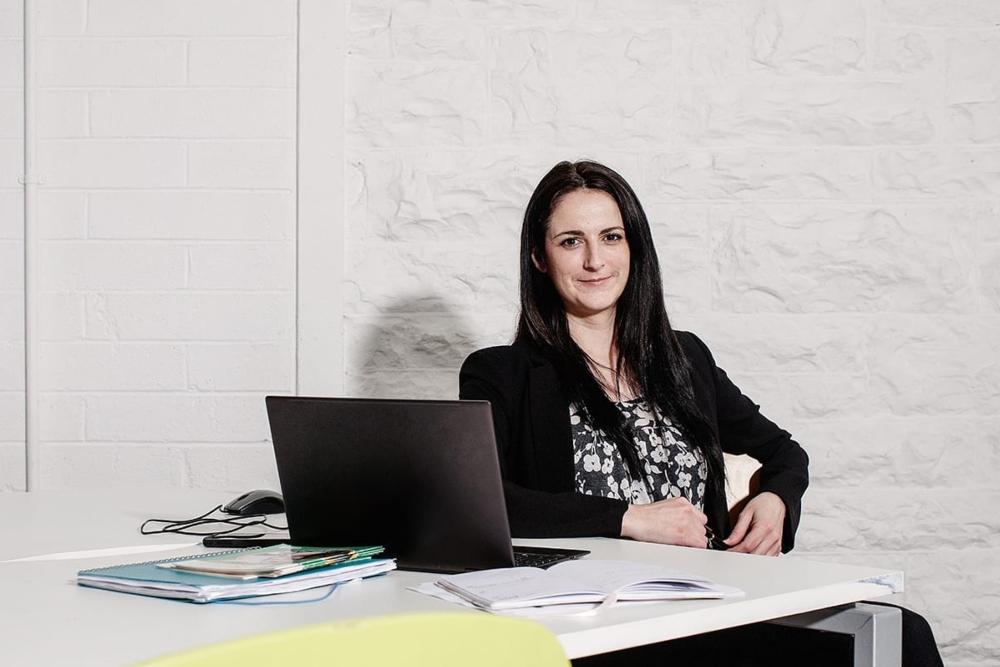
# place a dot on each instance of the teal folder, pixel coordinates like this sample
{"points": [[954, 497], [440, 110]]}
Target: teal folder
{"points": [[150, 579]]}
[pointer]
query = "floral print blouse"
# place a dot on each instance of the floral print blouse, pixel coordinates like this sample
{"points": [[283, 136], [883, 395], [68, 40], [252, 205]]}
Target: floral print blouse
{"points": [[672, 468]]}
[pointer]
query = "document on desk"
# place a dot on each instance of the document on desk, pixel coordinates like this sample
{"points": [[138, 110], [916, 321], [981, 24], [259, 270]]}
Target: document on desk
{"points": [[278, 560], [580, 581], [153, 580]]}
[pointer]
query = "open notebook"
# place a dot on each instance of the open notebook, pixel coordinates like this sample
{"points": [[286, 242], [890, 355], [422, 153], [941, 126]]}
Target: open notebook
{"points": [[421, 478]]}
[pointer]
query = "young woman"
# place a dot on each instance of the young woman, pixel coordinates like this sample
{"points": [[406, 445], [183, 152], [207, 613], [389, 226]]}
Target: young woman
{"points": [[608, 421]]}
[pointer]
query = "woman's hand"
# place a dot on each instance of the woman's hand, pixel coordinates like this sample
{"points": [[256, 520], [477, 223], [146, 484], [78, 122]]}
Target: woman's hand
{"points": [[759, 526], [671, 521]]}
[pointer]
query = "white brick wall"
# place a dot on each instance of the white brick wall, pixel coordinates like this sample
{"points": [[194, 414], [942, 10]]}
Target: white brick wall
{"points": [[167, 224], [11, 248], [824, 185], [823, 180]]}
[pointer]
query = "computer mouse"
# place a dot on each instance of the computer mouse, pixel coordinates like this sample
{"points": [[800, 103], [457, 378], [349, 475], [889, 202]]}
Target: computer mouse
{"points": [[260, 501]]}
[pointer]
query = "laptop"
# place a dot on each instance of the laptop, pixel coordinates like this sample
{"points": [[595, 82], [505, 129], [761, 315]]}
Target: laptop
{"points": [[419, 477]]}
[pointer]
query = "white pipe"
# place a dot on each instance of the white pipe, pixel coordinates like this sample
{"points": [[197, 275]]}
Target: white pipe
{"points": [[31, 181]]}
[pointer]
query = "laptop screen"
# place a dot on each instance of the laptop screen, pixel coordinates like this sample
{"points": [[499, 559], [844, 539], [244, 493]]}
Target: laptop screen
{"points": [[420, 478]]}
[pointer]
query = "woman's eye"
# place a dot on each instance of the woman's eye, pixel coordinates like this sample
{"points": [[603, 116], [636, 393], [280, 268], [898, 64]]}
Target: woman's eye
{"points": [[614, 236], [569, 242]]}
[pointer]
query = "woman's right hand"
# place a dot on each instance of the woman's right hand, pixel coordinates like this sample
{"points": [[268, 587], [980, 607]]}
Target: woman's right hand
{"points": [[670, 521]]}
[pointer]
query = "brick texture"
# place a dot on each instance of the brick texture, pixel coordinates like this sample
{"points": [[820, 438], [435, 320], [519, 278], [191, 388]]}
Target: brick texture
{"points": [[822, 181], [167, 239]]}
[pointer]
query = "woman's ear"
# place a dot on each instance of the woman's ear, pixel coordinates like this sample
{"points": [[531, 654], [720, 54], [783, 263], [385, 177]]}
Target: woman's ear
{"points": [[539, 260]]}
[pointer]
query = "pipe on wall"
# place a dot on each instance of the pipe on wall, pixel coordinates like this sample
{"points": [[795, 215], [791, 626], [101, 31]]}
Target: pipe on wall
{"points": [[31, 182]]}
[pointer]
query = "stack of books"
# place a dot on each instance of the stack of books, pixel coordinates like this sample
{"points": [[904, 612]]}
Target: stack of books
{"points": [[241, 573]]}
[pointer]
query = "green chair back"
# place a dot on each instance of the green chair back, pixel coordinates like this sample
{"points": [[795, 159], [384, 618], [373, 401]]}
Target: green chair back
{"points": [[435, 639]]}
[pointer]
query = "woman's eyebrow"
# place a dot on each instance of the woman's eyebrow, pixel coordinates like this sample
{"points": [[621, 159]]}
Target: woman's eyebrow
{"points": [[577, 232]]}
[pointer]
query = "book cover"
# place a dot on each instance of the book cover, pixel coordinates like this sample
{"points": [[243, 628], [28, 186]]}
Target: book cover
{"points": [[151, 579], [274, 561]]}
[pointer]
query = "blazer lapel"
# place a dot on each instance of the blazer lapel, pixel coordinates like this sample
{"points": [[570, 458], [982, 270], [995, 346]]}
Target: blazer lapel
{"points": [[551, 435]]}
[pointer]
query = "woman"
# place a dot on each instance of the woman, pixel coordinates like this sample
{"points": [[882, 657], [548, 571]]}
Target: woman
{"points": [[609, 422]]}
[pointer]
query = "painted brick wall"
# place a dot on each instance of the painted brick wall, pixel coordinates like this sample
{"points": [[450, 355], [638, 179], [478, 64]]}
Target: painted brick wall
{"points": [[167, 306], [824, 185], [823, 179], [11, 247]]}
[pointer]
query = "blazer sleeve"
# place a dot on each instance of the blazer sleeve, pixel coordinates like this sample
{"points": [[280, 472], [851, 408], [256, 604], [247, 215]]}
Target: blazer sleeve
{"points": [[534, 443], [742, 429]]}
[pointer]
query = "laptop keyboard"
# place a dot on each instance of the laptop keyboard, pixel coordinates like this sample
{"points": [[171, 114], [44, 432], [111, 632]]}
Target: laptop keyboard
{"points": [[538, 558]]}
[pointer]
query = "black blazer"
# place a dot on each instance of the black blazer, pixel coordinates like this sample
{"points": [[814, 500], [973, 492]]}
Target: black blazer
{"points": [[535, 443]]}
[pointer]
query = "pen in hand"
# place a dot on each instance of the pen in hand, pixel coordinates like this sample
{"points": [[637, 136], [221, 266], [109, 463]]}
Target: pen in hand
{"points": [[713, 541]]}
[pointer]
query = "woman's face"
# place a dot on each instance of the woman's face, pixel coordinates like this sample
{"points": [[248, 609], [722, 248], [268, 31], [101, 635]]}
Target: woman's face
{"points": [[586, 253]]}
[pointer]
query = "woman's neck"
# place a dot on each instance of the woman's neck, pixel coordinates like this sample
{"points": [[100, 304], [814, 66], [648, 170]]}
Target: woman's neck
{"points": [[597, 340]]}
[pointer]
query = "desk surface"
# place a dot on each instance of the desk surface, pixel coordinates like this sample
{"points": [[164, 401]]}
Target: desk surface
{"points": [[48, 618]]}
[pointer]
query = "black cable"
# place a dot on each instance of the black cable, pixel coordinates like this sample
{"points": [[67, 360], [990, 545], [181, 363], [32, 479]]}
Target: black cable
{"points": [[192, 526]]}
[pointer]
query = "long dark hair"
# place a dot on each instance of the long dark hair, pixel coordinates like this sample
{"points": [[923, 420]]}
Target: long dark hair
{"points": [[649, 354]]}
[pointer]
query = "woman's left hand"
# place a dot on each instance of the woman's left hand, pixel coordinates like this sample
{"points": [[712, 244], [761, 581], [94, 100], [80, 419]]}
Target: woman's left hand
{"points": [[759, 526]]}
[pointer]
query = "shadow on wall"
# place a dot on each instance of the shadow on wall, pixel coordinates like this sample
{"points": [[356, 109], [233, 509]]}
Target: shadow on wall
{"points": [[413, 349]]}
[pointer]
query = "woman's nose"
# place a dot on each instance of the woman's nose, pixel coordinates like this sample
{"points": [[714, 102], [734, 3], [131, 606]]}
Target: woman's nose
{"points": [[594, 259]]}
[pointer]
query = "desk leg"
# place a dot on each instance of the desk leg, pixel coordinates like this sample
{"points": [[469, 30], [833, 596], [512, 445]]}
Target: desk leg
{"points": [[877, 630]]}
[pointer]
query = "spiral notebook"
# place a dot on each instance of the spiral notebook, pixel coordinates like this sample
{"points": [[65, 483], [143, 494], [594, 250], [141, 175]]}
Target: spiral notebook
{"points": [[278, 560], [151, 578]]}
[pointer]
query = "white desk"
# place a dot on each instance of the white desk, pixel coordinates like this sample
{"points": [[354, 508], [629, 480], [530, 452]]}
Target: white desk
{"points": [[48, 619]]}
